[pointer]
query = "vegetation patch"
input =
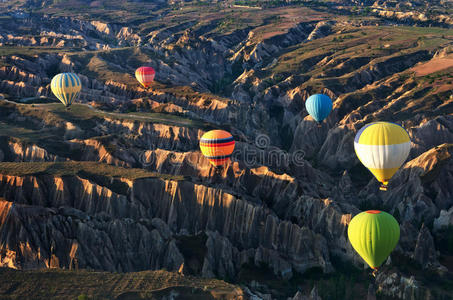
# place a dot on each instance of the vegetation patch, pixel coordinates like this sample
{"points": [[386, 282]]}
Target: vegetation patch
{"points": [[72, 168], [82, 284]]}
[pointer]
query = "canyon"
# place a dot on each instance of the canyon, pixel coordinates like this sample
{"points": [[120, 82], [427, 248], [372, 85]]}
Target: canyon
{"points": [[117, 183]]}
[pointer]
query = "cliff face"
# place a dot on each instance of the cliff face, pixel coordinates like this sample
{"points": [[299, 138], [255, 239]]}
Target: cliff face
{"points": [[421, 188], [22, 152], [143, 219], [287, 239], [63, 236]]}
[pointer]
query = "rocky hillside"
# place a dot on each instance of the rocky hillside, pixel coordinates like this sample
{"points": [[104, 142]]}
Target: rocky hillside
{"points": [[117, 183], [82, 284]]}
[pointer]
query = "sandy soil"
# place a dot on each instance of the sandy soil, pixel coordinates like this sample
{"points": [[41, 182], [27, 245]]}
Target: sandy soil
{"points": [[434, 65], [290, 18]]}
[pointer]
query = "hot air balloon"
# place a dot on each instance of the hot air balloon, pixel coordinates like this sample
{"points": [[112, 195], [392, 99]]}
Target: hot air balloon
{"points": [[145, 75], [66, 87], [382, 147], [373, 235], [217, 146], [318, 106]]}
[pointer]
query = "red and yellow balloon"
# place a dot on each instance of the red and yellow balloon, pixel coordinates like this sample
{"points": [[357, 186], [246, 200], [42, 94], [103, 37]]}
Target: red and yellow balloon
{"points": [[217, 146], [145, 75]]}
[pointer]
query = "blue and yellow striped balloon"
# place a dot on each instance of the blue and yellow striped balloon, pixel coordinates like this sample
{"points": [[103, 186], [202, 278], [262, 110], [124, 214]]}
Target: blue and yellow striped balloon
{"points": [[66, 87], [382, 147]]}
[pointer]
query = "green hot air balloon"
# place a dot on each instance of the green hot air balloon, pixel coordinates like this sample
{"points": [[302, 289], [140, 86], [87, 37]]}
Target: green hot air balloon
{"points": [[374, 234]]}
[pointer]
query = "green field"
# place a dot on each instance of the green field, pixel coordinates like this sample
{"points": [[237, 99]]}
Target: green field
{"points": [[85, 115], [72, 168], [91, 285]]}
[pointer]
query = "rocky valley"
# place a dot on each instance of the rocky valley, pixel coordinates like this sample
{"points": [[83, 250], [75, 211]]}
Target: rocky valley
{"points": [[115, 189]]}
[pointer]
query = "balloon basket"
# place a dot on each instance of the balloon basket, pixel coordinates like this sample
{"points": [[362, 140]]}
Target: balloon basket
{"points": [[218, 170], [374, 273], [383, 187], [216, 175]]}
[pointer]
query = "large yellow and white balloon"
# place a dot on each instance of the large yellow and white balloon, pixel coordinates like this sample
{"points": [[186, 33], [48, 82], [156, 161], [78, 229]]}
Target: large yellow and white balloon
{"points": [[382, 147], [66, 87]]}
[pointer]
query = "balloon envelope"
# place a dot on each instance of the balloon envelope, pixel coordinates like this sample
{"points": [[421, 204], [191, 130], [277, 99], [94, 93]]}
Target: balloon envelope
{"points": [[66, 87], [374, 234], [382, 147], [318, 106], [217, 146], [145, 75]]}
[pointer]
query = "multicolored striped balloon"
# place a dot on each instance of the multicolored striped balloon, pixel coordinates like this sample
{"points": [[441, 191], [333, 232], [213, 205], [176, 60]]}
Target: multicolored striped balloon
{"points": [[217, 146], [145, 75], [382, 147], [374, 234], [66, 87]]}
